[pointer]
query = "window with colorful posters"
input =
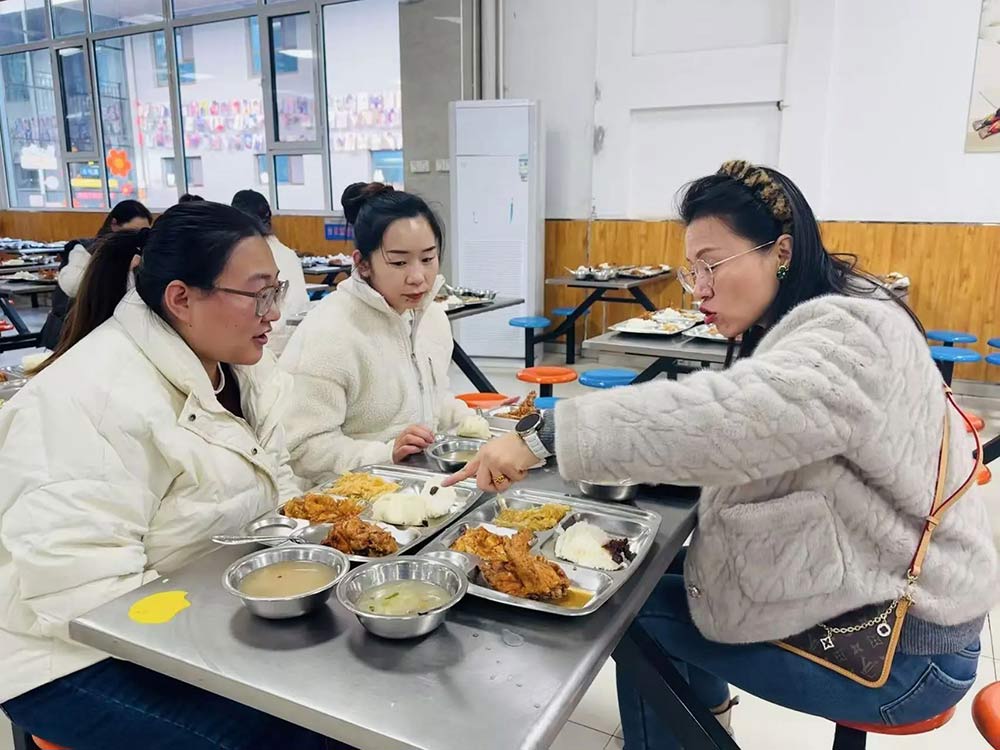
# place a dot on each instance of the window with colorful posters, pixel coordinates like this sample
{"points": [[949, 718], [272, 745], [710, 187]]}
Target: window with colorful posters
{"points": [[135, 119], [294, 83], [982, 133], [86, 185], [363, 95], [30, 131], [222, 111]]}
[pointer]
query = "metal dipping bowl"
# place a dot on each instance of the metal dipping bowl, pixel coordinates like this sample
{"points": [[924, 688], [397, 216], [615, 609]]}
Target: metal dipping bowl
{"points": [[360, 580], [282, 608], [442, 453], [616, 493]]}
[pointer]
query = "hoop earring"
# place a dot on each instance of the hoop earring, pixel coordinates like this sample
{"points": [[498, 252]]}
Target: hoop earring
{"points": [[782, 271]]}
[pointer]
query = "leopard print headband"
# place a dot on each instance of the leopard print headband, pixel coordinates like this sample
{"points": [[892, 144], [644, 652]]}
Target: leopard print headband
{"points": [[764, 187]]}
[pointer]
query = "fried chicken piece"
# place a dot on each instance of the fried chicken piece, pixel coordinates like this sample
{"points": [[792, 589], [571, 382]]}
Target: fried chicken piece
{"points": [[523, 409], [525, 575], [485, 544], [319, 508], [352, 536]]}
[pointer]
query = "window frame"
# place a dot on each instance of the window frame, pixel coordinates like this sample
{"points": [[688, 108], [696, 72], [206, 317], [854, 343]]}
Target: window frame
{"points": [[264, 12]]}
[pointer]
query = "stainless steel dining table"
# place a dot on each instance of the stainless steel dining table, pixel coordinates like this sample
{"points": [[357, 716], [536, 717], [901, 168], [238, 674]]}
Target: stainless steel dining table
{"points": [[492, 677]]}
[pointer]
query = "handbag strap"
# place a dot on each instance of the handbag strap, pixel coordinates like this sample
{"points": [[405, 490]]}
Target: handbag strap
{"points": [[938, 508]]}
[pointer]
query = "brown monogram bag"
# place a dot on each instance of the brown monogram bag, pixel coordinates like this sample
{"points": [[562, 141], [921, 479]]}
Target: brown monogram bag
{"points": [[861, 644]]}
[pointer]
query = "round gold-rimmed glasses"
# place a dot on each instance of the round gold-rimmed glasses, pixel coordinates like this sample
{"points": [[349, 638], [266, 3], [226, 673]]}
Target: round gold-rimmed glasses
{"points": [[700, 271]]}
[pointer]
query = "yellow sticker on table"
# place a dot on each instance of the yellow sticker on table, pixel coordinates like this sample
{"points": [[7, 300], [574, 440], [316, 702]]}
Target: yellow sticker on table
{"points": [[157, 609]]}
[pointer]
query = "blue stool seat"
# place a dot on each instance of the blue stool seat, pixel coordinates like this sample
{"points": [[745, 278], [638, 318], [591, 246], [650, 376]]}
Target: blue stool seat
{"points": [[993, 359], [531, 321], [611, 377], [954, 355], [566, 311], [547, 402], [995, 343], [952, 337]]}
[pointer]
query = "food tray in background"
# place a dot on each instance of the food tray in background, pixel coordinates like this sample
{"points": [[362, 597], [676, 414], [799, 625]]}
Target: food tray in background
{"points": [[644, 327], [637, 525], [407, 537], [709, 333]]}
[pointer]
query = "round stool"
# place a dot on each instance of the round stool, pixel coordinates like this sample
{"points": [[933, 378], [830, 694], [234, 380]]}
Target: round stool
{"points": [[565, 312], [529, 324], [482, 400], [948, 356], [985, 475], [995, 343], [852, 736], [547, 402], [611, 377], [986, 714], [950, 338], [993, 359], [46, 745], [546, 377]]}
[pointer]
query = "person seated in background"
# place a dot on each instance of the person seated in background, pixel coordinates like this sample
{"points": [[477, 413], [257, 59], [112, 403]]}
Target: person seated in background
{"points": [[155, 424], [371, 361], [818, 457], [189, 197], [289, 266], [126, 215]]}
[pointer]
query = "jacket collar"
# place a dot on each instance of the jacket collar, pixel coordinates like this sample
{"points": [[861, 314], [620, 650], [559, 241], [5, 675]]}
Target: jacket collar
{"points": [[361, 290], [173, 358]]}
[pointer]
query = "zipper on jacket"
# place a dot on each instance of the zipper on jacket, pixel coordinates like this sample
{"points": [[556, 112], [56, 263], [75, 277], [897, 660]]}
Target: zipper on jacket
{"points": [[411, 347]]}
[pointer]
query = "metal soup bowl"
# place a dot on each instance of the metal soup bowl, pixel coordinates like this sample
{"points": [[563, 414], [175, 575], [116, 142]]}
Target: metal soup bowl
{"points": [[282, 608], [360, 580], [442, 453], [617, 493]]}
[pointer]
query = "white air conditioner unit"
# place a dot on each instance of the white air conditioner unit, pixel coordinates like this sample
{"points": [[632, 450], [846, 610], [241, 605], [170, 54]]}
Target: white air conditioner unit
{"points": [[498, 216]]}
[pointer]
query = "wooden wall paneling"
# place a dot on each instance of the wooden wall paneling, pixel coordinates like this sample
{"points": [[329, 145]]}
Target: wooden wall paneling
{"points": [[565, 247], [49, 226]]}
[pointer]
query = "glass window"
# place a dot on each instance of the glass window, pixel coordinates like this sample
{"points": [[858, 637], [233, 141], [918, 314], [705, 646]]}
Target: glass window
{"points": [[114, 14], [185, 57], [195, 174], [86, 185], [253, 38], [294, 92], [194, 7], [263, 178], [363, 97], [68, 18], [22, 21], [222, 110], [77, 104], [30, 134], [135, 119], [299, 180]]}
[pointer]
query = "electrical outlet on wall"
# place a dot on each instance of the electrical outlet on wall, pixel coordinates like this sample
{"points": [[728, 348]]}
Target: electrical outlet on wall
{"points": [[420, 166], [442, 165]]}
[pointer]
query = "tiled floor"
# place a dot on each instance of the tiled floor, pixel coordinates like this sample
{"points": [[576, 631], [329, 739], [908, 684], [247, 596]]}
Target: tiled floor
{"points": [[758, 725]]}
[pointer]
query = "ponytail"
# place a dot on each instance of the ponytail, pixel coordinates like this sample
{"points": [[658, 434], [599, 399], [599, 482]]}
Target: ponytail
{"points": [[103, 286]]}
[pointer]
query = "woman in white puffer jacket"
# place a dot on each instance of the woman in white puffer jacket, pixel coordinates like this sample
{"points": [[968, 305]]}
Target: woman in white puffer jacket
{"points": [[156, 424], [371, 361]]}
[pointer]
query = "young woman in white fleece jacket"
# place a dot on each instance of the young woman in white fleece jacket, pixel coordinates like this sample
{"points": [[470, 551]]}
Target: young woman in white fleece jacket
{"points": [[817, 458], [371, 362]]}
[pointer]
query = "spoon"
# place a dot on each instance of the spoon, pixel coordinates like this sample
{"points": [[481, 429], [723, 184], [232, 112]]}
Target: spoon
{"points": [[237, 539]]}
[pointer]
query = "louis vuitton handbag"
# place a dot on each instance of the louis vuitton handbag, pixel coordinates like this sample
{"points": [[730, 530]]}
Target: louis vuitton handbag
{"points": [[861, 644]]}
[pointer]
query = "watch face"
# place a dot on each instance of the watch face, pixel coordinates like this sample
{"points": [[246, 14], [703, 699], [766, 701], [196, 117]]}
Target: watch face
{"points": [[529, 423]]}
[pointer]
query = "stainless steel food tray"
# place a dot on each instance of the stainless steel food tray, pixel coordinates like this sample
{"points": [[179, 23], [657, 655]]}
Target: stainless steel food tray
{"points": [[409, 480], [638, 526]]}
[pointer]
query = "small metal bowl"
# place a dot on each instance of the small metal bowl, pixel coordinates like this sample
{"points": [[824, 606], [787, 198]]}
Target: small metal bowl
{"points": [[273, 524], [443, 452], [604, 274], [582, 275], [282, 608], [616, 493], [443, 574]]}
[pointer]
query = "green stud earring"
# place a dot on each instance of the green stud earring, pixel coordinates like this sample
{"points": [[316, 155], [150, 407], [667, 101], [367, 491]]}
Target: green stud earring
{"points": [[782, 272]]}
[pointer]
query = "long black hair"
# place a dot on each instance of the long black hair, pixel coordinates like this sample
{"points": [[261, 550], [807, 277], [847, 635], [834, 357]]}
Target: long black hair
{"points": [[190, 242], [123, 213], [370, 207], [761, 204]]}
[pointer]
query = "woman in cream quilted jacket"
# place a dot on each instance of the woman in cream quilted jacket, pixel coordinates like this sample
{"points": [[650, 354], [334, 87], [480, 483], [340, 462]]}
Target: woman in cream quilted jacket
{"points": [[817, 457], [156, 424]]}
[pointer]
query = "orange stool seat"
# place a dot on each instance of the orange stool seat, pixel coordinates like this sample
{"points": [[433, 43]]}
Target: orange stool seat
{"points": [[985, 475], [546, 377], [482, 400], [977, 423], [852, 736], [986, 714], [46, 745]]}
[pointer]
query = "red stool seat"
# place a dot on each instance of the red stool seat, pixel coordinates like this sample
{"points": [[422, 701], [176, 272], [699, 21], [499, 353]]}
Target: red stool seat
{"points": [[46, 745], [546, 377], [977, 423], [482, 400], [917, 727], [986, 714], [985, 475]]}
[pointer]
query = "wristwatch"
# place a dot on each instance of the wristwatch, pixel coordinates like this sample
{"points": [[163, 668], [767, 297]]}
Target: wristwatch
{"points": [[527, 429]]}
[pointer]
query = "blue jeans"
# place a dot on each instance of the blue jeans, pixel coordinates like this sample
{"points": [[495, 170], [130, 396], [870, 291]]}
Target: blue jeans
{"points": [[115, 704], [918, 687]]}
